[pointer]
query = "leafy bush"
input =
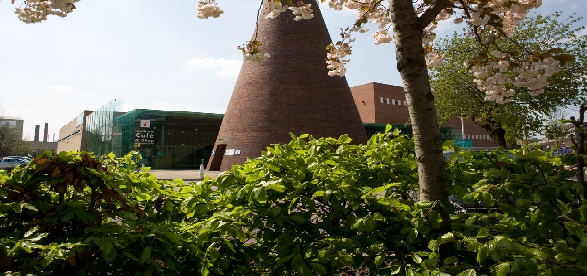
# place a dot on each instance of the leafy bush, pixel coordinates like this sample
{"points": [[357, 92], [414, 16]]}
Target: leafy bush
{"points": [[320, 207], [71, 214], [327, 207], [313, 206], [536, 216]]}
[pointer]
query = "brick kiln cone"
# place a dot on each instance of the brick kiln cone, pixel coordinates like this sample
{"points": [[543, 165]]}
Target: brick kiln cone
{"points": [[290, 92]]}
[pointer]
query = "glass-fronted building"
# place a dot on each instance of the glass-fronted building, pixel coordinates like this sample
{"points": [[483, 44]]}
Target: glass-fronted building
{"points": [[446, 133], [167, 139], [100, 138]]}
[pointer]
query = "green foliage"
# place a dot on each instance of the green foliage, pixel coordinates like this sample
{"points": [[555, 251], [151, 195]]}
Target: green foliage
{"points": [[457, 93], [319, 207], [311, 207], [11, 141], [532, 219], [72, 214]]}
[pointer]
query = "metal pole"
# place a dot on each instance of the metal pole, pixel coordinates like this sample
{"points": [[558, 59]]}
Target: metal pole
{"points": [[462, 127], [202, 169]]}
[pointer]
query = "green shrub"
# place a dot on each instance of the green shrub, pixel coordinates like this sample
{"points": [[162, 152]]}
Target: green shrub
{"points": [[74, 214], [313, 206], [320, 207]]}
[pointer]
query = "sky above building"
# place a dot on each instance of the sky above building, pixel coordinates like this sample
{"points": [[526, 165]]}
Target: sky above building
{"points": [[155, 55]]}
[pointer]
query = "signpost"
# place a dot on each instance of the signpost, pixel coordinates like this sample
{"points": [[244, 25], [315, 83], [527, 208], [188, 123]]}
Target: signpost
{"points": [[466, 143]]}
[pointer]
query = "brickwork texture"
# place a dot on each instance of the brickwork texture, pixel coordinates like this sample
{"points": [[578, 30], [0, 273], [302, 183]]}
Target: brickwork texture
{"points": [[290, 92]]}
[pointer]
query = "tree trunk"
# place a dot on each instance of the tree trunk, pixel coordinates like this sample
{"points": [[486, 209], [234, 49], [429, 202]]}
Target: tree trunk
{"points": [[496, 132], [579, 142], [411, 64]]}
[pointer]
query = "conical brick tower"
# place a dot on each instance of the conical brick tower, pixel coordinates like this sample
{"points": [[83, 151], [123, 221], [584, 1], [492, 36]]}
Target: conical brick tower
{"points": [[290, 92]]}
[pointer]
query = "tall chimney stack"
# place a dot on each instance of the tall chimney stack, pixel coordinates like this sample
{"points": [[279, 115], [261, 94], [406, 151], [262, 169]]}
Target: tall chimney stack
{"points": [[290, 92], [37, 129], [46, 132]]}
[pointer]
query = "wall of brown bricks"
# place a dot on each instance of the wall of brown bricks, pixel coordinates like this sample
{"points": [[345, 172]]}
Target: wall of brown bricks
{"points": [[387, 107], [290, 92]]}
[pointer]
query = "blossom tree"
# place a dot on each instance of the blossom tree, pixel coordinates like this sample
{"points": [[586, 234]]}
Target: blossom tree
{"points": [[459, 91], [410, 25]]}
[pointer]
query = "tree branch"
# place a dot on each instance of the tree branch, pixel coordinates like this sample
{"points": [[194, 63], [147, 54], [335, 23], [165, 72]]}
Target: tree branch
{"points": [[430, 14]]}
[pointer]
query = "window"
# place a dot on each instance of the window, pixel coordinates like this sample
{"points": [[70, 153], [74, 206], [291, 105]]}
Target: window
{"points": [[381, 98], [387, 100], [393, 101], [405, 103]]}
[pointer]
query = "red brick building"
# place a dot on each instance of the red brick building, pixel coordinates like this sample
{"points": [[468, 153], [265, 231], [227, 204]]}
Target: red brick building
{"points": [[290, 92], [386, 104]]}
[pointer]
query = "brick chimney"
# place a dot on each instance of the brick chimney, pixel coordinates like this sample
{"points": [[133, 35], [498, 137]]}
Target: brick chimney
{"points": [[46, 132], [37, 129], [290, 92]]}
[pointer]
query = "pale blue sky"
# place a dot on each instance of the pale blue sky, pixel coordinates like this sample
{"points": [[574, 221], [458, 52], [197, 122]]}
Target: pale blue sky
{"points": [[154, 55]]}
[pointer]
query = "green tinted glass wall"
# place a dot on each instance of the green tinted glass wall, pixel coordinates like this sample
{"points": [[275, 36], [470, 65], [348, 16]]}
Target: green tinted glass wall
{"points": [[100, 137], [168, 139], [445, 132]]}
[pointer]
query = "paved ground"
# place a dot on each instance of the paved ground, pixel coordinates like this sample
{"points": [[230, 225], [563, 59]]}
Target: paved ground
{"points": [[186, 175]]}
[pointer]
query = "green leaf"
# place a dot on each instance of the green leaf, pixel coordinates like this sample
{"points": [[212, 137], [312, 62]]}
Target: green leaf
{"points": [[297, 218], [260, 195], [583, 210], [213, 252], [68, 215], [468, 272], [364, 224], [130, 255], [346, 259], [434, 218], [379, 260], [17, 207], [283, 260], [318, 194], [318, 268], [503, 269], [482, 233], [482, 254], [143, 196], [85, 216], [451, 260], [300, 266], [145, 255], [429, 264], [108, 250]]}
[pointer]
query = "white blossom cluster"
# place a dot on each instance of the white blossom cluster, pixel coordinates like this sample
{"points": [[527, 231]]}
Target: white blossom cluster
{"points": [[36, 11], [336, 4], [534, 75], [207, 9], [302, 12], [274, 9], [252, 52], [434, 59], [493, 77], [382, 37], [336, 58], [509, 11]]}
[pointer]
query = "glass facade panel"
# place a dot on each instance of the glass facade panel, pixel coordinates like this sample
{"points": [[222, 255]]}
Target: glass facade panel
{"points": [[168, 139], [445, 132], [100, 137]]}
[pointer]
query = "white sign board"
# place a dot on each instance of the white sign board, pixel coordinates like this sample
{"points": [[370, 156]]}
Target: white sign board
{"points": [[145, 123]]}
